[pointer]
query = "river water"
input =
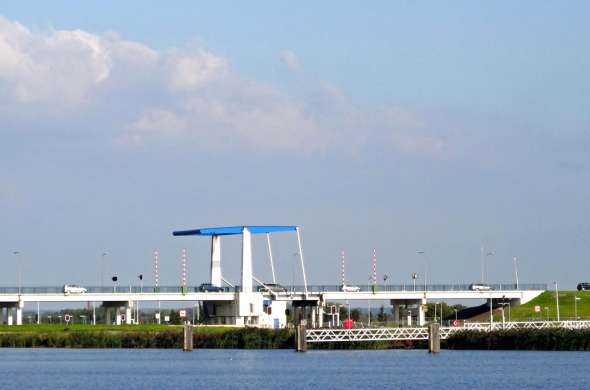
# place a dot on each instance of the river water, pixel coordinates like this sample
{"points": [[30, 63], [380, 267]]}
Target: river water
{"points": [[286, 369]]}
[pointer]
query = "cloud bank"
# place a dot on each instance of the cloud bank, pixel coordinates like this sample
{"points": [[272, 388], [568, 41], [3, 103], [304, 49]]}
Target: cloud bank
{"points": [[184, 95]]}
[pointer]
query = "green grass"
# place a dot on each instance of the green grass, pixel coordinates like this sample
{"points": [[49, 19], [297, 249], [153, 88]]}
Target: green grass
{"points": [[51, 328], [527, 312]]}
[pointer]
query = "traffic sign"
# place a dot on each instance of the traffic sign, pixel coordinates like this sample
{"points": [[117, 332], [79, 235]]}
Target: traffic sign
{"points": [[537, 309], [182, 313]]}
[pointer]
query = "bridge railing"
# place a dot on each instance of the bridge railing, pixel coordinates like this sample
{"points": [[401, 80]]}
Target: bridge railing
{"points": [[111, 289], [419, 288], [299, 289]]}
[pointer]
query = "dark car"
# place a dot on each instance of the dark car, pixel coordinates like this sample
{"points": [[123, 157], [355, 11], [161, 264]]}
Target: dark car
{"points": [[208, 287], [274, 287], [583, 286]]}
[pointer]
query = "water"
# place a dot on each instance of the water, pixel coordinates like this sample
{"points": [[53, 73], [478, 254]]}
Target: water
{"points": [[285, 369]]}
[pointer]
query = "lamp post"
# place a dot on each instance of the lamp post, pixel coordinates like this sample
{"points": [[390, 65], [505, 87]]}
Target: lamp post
{"points": [[576, 299], [369, 301], [18, 272], [140, 277], [421, 252], [516, 272], [414, 277], [114, 279], [102, 256], [557, 300]]}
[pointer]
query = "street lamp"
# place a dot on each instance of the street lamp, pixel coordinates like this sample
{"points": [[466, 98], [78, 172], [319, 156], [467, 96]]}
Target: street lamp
{"points": [[556, 299], [18, 274], [140, 277], [516, 272], [102, 256], [576, 299], [420, 252], [115, 279], [414, 277]]}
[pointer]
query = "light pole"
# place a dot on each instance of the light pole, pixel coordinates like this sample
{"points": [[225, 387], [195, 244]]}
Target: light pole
{"points": [[576, 299], [102, 256], [516, 272], [18, 272], [557, 300], [420, 252], [114, 279], [414, 277], [140, 277], [369, 302]]}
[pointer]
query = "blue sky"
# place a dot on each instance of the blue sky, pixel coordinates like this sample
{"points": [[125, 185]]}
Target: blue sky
{"points": [[400, 125]]}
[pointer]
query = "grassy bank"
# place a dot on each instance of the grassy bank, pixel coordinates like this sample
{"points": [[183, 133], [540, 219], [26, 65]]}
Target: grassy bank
{"points": [[546, 301], [143, 336], [522, 339]]}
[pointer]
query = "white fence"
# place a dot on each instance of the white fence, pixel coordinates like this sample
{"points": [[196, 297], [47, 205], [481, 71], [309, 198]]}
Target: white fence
{"points": [[390, 334]]}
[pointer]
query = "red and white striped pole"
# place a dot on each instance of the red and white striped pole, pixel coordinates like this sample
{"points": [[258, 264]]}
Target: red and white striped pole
{"points": [[183, 276], [156, 269], [342, 268]]}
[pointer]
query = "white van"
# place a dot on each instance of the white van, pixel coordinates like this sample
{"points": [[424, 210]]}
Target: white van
{"points": [[479, 287], [73, 289], [345, 288]]}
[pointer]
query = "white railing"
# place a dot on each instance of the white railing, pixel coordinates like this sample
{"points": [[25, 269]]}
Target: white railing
{"points": [[421, 333]]}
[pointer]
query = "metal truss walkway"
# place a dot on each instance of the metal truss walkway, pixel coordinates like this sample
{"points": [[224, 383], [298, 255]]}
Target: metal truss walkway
{"points": [[390, 334]]}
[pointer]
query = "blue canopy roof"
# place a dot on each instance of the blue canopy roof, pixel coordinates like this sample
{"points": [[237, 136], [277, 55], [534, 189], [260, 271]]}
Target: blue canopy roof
{"points": [[229, 230]]}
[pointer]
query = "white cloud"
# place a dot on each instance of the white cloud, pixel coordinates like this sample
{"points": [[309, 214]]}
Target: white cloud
{"points": [[192, 96]]}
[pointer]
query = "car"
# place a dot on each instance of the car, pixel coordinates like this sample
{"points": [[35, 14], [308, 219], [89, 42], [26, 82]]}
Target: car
{"points": [[346, 288], [208, 287], [583, 286], [274, 287], [479, 287], [73, 289]]}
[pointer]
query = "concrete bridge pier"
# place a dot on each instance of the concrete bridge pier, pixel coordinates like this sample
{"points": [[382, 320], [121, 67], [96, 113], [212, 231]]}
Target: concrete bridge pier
{"points": [[116, 307], [19, 315]]}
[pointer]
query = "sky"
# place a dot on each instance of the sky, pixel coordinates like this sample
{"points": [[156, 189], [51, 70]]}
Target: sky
{"points": [[403, 126]]}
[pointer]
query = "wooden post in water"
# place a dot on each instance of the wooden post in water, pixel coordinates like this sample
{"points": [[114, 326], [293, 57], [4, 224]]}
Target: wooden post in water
{"points": [[188, 337], [300, 338], [434, 338]]}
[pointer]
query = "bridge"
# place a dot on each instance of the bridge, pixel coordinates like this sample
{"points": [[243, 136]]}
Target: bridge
{"points": [[256, 303]]}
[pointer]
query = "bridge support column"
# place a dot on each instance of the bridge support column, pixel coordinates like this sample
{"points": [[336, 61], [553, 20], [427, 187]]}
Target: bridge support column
{"points": [[128, 319], [9, 319], [434, 338], [313, 318], [19, 315], [4, 314], [421, 317], [320, 316], [216, 261], [396, 317]]}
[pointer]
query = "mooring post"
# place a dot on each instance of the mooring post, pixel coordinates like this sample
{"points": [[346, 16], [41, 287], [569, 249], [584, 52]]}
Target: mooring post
{"points": [[300, 338], [434, 338], [188, 337]]}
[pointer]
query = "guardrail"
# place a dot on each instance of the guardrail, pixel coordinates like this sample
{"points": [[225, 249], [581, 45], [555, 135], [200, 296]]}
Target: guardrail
{"points": [[299, 289], [107, 290], [420, 288]]}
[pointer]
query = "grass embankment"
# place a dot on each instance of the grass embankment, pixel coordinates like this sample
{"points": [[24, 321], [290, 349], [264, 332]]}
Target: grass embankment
{"points": [[140, 336], [546, 301]]}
